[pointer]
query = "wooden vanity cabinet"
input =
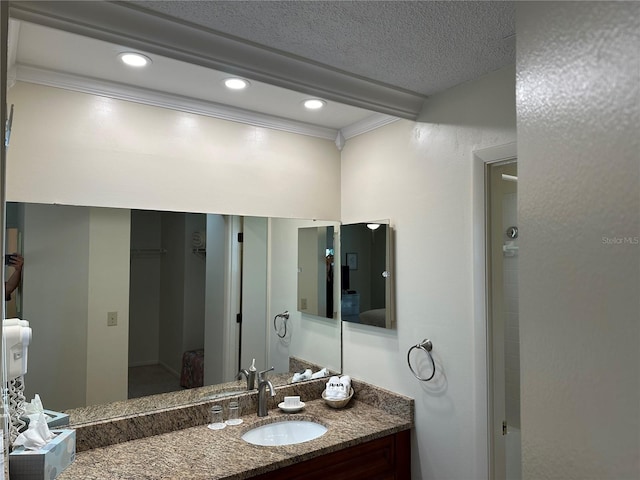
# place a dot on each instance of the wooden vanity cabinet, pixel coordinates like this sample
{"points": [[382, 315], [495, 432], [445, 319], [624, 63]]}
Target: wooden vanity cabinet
{"points": [[387, 458]]}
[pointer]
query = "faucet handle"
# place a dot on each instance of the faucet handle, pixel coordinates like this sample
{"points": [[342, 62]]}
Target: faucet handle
{"points": [[261, 375]]}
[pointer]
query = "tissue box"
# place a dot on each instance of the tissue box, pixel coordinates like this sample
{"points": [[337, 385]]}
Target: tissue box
{"points": [[54, 419], [47, 462]]}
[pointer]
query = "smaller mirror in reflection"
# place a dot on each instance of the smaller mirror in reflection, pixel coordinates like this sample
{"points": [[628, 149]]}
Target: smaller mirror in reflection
{"points": [[365, 274], [316, 271]]}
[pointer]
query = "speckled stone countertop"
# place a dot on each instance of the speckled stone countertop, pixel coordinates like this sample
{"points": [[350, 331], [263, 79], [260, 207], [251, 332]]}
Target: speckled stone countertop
{"points": [[151, 403], [175, 443], [142, 406]]}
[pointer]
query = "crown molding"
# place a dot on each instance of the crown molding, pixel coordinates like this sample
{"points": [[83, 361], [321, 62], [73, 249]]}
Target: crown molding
{"points": [[144, 96], [123, 23], [372, 122], [94, 86], [12, 43]]}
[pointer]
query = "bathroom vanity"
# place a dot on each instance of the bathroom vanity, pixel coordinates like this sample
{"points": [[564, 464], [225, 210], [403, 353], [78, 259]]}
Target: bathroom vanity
{"points": [[369, 436], [384, 458]]}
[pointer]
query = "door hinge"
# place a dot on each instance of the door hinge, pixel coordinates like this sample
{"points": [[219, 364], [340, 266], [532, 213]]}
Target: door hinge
{"points": [[238, 317], [504, 427], [240, 237]]}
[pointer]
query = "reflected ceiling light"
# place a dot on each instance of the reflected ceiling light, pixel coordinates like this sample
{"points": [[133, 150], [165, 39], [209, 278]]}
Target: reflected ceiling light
{"points": [[236, 83], [314, 103], [373, 226], [134, 59]]}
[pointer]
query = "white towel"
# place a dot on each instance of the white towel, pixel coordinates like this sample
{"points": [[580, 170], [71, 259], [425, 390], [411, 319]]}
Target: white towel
{"points": [[299, 377], [338, 388], [346, 383], [320, 373], [333, 390]]}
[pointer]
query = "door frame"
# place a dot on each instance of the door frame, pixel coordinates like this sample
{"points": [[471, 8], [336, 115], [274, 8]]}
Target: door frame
{"points": [[496, 331], [4, 32], [482, 356]]}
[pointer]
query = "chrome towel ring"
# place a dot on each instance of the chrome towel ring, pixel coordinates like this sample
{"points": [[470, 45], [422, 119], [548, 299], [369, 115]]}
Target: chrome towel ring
{"points": [[285, 316], [425, 346]]}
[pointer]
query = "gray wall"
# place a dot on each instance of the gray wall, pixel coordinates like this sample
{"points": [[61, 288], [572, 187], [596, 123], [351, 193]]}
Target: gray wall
{"points": [[55, 293], [578, 104]]}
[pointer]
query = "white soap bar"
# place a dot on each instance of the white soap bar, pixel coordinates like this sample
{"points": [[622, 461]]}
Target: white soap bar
{"points": [[291, 401]]}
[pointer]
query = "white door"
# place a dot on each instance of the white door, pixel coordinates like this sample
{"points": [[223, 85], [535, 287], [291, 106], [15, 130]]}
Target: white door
{"points": [[502, 228]]}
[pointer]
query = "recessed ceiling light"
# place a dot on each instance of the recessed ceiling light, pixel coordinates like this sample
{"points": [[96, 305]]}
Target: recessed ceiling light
{"points": [[236, 83], [134, 59], [314, 103]]}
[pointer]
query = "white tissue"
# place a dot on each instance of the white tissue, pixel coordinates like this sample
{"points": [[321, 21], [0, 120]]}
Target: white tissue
{"points": [[37, 433], [299, 377], [338, 388], [320, 373], [34, 406]]}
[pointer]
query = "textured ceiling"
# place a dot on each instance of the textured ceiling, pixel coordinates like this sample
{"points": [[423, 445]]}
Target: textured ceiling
{"points": [[422, 46]]}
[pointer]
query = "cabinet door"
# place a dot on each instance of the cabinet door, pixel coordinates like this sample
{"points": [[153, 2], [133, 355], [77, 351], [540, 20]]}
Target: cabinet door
{"points": [[387, 458]]}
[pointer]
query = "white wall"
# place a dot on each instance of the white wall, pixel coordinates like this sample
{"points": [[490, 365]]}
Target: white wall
{"points": [[254, 293], [76, 270], [312, 338], [55, 289], [419, 175], [151, 158], [216, 358], [308, 274], [107, 346], [578, 103]]}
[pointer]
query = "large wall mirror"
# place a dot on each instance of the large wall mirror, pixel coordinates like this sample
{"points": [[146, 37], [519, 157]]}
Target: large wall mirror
{"points": [[366, 274], [163, 279], [107, 288]]}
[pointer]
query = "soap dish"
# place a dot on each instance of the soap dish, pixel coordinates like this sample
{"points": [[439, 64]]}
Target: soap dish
{"points": [[291, 409], [337, 403]]}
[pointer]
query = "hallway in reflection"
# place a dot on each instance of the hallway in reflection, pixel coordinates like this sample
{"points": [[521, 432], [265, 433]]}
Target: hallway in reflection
{"points": [[150, 380]]}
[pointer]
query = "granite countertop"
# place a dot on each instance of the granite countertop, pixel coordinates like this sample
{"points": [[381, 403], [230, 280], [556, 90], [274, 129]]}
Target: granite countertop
{"points": [[198, 453], [151, 403]]}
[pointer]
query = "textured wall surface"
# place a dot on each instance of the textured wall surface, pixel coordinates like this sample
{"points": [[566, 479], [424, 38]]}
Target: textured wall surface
{"points": [[579, 201]]}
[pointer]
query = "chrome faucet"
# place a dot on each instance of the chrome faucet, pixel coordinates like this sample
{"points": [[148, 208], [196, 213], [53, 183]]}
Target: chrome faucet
{"points": [[263, 384], [249, 374]]}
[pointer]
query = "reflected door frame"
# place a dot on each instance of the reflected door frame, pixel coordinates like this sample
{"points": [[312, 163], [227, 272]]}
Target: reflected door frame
{"points": [[497, 313], [484, 426]]}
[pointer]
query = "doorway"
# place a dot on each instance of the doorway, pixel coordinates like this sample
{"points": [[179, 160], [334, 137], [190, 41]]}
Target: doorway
{"points": [[503, 322], [166, 301], [187, 299]]}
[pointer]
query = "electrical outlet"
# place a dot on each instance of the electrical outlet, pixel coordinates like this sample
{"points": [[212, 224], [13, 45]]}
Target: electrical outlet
{"points": [[303, 304], [112, 319]]}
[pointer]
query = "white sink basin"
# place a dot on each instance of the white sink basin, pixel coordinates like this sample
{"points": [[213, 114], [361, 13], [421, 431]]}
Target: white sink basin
{"points": [[284, 433]]}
